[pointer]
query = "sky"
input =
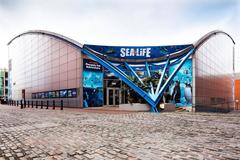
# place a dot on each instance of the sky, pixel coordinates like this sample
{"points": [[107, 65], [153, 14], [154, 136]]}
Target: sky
{"points": [[120, 22]]}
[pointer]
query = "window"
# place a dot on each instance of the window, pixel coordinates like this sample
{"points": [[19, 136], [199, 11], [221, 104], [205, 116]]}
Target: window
{"points": [[56, 94], [51, 94], [63, 93], [72, 93], [33, 95], [46, 94]]}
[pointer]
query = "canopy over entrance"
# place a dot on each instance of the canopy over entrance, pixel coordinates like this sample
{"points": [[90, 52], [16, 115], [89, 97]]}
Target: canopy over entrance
{"points": [[138, 62]]}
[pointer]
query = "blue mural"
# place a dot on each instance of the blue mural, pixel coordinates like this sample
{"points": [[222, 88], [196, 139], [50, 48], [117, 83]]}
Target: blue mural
{"points": [[181, 87], [92, 84]]}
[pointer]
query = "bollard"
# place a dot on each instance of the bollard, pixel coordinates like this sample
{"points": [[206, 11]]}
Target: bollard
{"points": [[32, 104], [47, 105], [21, 102], [28, 104], [237, 101], [24, 103], [61, 104], [41, 104], [53, 104], [17, 103], [36, 104]]}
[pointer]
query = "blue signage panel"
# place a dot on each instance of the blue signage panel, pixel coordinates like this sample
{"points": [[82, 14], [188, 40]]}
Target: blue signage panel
{"points": [[92, 84], [137, 52], [181, 86], [91, 65]]}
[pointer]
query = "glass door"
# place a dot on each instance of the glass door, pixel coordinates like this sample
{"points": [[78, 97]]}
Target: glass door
{"points": [[113, 96]]}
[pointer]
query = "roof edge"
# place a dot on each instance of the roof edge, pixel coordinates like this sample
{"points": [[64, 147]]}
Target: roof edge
{"points": [[56, 35], [207, 36]]}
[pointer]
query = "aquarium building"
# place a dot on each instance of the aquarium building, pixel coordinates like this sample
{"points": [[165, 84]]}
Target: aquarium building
{"points": [[46, 66]]}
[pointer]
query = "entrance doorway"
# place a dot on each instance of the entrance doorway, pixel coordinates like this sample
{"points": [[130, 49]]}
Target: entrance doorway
{"points": [[113, 96]]}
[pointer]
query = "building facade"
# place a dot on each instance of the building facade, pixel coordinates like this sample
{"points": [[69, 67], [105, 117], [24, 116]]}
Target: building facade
{"points": [[213, 74], [42, 63], [45, 66], [3, 85]]}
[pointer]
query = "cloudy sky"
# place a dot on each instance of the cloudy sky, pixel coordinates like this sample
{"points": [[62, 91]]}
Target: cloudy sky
{"points": [[120, 22]]}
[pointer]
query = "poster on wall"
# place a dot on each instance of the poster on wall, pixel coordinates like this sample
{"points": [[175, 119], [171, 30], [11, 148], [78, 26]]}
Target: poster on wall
{"points": [[181, 87], [92, 84]]}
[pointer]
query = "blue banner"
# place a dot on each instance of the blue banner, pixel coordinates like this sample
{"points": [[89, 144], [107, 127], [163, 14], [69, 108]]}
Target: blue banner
{"points": [[137, 52], [183, 81], [92, 84]]}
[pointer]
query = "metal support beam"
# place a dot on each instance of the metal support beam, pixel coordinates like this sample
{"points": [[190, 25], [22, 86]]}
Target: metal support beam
{"points": [[149, 75], [153, 100], [133, 72], [161, 78], [170, 78], [124, 78]]}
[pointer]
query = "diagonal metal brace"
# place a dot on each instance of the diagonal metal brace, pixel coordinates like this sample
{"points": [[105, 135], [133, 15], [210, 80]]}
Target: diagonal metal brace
{"points": [[116, 71]]}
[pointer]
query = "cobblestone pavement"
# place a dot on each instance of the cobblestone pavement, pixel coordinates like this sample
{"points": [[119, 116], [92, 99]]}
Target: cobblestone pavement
{"points": [[54, 134]]}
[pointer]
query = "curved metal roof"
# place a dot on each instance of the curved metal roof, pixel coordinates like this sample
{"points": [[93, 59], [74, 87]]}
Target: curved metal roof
{"points": [[208, 36], [196, 45], [56, 35]]}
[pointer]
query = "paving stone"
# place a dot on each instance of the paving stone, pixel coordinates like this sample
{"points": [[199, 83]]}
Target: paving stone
{"points": [[99, 151], [112, 152], [20, 154], [32, 156], [79, 156], [80, 152], [122, 156], [3, 148], [109, 156], [8, 155], [71, 153], [89, 156], [17, 150]]}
